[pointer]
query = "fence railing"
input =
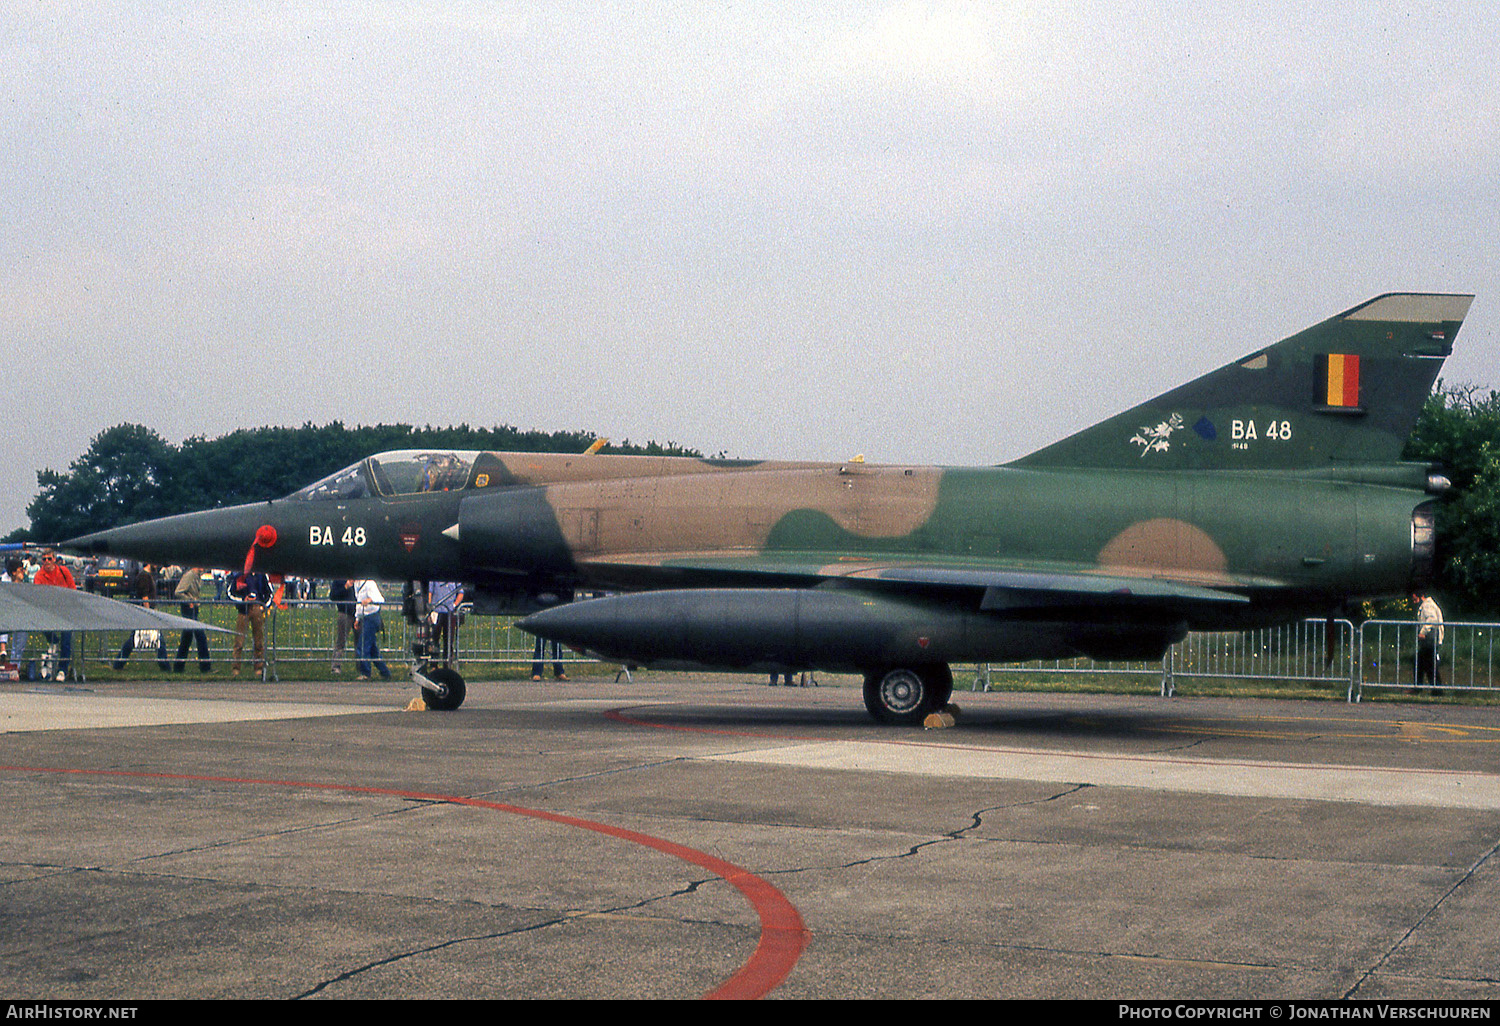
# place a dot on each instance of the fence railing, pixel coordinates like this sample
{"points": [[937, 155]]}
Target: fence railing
{"points": [[304, 633], [1308, 650], [1390, 656], [1375, 654]]}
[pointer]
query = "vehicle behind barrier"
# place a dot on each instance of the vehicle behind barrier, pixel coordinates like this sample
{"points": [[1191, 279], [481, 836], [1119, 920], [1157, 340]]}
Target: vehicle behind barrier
{"points": [[110, 575]]}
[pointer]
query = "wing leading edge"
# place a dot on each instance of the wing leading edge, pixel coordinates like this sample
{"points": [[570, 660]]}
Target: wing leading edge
{"points": [[40, 607], [1001, 588]]}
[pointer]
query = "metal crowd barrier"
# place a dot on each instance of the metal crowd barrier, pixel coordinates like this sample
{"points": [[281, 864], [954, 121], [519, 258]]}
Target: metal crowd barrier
{"points": [[1289, 652], [304, 632], [1376, 654], [1389, 657], [986, 673], [1308, 651]]}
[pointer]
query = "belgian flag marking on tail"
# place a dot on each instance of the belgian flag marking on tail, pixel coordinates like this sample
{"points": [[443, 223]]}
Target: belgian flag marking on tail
{"points": [[1349, 387], [1338, 381]]}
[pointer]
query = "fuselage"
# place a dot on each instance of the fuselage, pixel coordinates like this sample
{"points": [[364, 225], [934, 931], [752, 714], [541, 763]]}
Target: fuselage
{"points": [[1292, 542]]}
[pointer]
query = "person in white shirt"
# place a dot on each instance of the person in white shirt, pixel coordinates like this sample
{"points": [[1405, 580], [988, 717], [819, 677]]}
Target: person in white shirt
{"points": [[367, 603], [1429, 641]]}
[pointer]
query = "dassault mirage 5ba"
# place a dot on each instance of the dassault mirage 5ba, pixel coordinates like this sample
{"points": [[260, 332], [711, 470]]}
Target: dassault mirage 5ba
{"points": [[1267, 490]]}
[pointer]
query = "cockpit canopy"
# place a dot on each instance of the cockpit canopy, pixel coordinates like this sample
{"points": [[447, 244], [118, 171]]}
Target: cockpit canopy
{"points": [[398, 472]]}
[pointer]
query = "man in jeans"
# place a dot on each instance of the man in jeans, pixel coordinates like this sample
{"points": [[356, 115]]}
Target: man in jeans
{"points": [[368, 600], [250, 592], [341, 593], [143, 588], [54, 573], [186, 595]]}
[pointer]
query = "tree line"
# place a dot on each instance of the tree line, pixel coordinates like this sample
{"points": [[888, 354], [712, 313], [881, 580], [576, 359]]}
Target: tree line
{"points": [[1459, 428]]}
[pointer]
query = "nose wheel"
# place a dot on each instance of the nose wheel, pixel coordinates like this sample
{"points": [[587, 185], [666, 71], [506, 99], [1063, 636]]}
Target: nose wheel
{"points": [[433, 648], [442, 688]]}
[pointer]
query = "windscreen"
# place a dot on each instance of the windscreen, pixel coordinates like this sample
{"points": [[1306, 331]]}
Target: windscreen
{"points": [[349, 483], [400, 472]]}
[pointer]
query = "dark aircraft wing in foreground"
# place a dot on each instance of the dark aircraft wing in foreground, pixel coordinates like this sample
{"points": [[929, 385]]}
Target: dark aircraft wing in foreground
{"points": [[39, 607], [1267, 490]]}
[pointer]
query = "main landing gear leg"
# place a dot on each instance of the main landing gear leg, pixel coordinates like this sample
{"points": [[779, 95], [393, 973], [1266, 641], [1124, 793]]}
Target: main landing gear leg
{"points": [[432, 652]]}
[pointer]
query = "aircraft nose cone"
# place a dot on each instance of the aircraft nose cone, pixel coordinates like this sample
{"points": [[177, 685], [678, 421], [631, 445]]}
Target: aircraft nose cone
{"points": [[96, 544], [102, 543], [216, 537]]}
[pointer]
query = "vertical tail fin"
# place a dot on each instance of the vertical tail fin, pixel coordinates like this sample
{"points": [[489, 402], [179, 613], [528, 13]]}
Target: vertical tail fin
{"points": [[1348, 389]]}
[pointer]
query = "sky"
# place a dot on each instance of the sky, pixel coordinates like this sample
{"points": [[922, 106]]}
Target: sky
{"points": [[925, 232]]}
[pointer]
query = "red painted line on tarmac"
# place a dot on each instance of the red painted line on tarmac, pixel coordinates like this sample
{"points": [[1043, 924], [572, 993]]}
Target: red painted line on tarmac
{"points": [[783, 937]]}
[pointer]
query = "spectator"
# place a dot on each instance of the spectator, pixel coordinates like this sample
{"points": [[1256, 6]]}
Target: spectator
{"points": [[143, 589], [443, 600], [186, 594], [15, 651], [250, 593], [538, 656], [341, 593], [1429, 642], [55, 574], [367, 603]]}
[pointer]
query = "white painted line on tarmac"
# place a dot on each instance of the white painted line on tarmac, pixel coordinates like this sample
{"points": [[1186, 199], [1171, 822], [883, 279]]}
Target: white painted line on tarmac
{"points": [[1368, 785], [29, 711]]}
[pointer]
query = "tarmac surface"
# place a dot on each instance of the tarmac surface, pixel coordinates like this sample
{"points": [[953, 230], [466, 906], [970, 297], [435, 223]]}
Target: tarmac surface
{"points": [[683, 836]]}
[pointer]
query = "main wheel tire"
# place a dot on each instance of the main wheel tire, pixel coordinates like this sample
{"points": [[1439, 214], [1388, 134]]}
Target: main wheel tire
{"points": [[453, 683], [905, 695]]}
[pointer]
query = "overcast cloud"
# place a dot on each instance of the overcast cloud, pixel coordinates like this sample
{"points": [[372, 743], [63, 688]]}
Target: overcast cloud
{"points": [[923, 231]]}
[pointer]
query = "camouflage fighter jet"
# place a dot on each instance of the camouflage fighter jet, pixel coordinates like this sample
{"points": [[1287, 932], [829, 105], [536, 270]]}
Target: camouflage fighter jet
{"points": [[1267, 490]]}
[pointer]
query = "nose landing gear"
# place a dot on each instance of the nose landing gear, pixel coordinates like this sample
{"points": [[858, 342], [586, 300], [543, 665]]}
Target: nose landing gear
{"points": [[433, 650], [442, 687]]}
